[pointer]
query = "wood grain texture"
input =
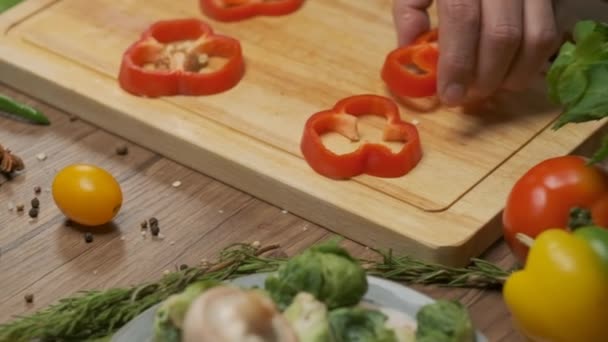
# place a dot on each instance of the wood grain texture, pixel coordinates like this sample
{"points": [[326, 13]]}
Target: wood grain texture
{"points": [[248, 137], [52, 261]]}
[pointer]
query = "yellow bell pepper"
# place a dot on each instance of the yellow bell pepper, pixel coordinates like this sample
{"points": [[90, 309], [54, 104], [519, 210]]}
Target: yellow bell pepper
{"points": [[562, 293]]}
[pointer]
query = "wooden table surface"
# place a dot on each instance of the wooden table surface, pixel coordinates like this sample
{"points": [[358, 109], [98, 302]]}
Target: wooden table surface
{"points": [[45, 258]]}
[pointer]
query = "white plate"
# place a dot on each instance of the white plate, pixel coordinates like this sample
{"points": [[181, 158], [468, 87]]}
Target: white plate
{"points": [[381, 292]]}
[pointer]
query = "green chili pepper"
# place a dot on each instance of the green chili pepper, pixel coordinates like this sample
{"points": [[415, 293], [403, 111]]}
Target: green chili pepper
{"points": [[10, 106], [6, 4]]}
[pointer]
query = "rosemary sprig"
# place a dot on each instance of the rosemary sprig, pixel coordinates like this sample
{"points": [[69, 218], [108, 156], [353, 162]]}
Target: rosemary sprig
{"points": [[480, 274], [95, 315]]}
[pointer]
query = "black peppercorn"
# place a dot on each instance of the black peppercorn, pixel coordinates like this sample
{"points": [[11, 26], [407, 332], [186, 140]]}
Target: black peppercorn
{"points": [[183, 267], [29, 298], [88, 237], [122, 150], [154, 230], [153, 221], [33, 213], [35, 203]]}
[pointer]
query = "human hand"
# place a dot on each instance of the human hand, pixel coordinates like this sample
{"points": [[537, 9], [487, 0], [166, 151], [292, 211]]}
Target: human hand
{"points": [[485, 45]]}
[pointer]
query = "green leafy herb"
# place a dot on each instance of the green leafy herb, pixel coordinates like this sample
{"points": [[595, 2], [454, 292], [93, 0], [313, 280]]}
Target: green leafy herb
{"points": [[578, 77], [326, 271], [444, 321], [602, 153], [359, 325], [6, 4]]}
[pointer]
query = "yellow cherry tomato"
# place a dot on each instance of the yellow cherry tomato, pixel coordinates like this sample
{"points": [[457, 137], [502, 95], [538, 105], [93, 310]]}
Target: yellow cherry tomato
{"points": [[87, 194]]}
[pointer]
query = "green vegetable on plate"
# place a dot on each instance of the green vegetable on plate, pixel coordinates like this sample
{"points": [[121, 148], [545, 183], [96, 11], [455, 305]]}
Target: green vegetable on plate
{"points": [[326, 271], [317, 296], [308, 317], [360, 325], [170, 315], [444, 321]]}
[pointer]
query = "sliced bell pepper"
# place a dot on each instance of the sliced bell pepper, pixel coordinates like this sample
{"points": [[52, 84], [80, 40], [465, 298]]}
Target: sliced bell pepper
{"points": [[562, 293], [181, 57], [234, 10], [411, 70], [372, 159], [430, 37]]}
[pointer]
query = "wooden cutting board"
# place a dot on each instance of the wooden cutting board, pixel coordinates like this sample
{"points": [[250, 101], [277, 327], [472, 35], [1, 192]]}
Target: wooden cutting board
{"points": [[68, 52]]}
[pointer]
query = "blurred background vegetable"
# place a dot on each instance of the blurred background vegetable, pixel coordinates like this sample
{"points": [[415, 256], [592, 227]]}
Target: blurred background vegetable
{"points": [[170, 315], [577, 79], [359, 324], [326, 271], [6, 4], [444, 321], [13, 108]]}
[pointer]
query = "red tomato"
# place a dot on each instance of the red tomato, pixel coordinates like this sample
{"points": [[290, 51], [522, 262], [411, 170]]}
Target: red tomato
{"points": [[543, 197]]}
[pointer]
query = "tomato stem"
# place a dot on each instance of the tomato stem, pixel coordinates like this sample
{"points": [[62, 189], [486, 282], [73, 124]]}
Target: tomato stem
{"points": [[525, 239], [579, 217]]}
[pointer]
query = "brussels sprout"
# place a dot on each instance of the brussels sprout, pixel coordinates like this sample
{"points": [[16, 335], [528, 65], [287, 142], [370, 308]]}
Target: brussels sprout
{"points": [[444, 321], [308, 317], [359, 325], [326, 271]]}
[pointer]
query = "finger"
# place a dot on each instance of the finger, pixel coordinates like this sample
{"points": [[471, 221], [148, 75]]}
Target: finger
{"points": [[411, 19], [541, 41], [501, 35], [458, 41]]}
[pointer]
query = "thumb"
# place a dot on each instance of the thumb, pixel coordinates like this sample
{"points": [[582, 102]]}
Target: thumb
{"points": [[411, 19]]}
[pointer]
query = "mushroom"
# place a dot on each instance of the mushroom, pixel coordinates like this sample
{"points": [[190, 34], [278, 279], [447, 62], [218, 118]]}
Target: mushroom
{"points": [[230, 314]]}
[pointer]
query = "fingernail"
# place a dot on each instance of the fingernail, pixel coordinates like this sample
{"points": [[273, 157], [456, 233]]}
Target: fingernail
{"points": [[453, 94]]}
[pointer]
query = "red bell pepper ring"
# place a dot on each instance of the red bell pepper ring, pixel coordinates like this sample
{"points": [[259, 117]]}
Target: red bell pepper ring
{"points": [[430, 37], [171, 58], [234, 10], [372, 159], [411, 70]]}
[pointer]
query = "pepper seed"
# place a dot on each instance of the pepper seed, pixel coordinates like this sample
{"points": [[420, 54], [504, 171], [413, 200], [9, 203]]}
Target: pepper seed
{"points": [[20, 207], [143, 224], [29, 298], [88, 237], [35, 203], [33, 212], [37, 190], [122, 150]]}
